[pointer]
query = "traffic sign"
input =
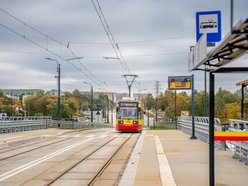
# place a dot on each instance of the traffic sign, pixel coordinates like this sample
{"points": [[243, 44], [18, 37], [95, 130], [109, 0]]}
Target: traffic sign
{"points": [[210, 23], [179, 82]]}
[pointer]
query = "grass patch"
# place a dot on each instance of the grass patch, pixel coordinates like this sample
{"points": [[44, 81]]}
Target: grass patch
{"points": [[164, 126]]}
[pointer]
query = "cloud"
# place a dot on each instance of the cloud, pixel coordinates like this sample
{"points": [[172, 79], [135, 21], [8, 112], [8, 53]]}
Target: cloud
{"points": [[153, 36]]}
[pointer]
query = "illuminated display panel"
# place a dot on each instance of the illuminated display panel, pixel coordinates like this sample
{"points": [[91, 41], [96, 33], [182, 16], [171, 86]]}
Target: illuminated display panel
{"points": [[128, 104], [179, 82]]}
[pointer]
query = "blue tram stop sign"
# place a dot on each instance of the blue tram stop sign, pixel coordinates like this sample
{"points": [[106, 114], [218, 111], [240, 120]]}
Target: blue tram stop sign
{"points": [[210, 23]]}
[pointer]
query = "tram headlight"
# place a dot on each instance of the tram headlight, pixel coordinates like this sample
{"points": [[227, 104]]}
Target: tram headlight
{"points": [[135, 122], [120, 122]]}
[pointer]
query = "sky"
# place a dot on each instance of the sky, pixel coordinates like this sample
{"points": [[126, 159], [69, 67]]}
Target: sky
{"points": [[151, 39]]}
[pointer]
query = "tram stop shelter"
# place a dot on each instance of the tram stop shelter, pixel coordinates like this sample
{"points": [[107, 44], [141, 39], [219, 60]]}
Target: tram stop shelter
{"points": [[233, 46]]}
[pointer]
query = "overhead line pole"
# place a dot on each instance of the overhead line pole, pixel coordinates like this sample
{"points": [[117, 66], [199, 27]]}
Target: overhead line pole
{"points": [[59, 76], [130, 82], [91, 101]]}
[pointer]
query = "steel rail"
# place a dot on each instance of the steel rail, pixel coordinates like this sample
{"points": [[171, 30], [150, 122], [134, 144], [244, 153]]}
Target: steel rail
{"points": [[30, 150], [9, 150], [83, 159], [108, 162]]}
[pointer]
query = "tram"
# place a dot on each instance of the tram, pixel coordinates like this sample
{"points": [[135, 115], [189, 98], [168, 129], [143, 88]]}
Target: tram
{"points": [[129, 116]]}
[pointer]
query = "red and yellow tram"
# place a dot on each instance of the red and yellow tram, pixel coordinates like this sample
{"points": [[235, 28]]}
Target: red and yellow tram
{"points": [[130, 116]]}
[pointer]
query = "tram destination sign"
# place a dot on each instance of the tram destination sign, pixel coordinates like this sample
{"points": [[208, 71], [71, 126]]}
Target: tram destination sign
{"points": [[179, 82]]}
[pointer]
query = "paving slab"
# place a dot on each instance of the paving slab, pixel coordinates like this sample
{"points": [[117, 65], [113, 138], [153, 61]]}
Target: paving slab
{"points": [[188, 162]]}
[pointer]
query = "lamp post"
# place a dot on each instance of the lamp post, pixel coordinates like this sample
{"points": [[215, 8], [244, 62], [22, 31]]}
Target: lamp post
{"points": [[140, 96], [91, 105], [74, 58], [106, 57], [58, 70]]}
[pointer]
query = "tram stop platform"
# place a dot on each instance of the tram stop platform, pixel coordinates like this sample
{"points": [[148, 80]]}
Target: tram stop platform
{"points": [[170, 157]]}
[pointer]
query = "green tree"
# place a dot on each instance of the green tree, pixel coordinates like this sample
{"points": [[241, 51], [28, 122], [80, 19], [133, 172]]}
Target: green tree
{"points": [[222, 98], [149, 101]]}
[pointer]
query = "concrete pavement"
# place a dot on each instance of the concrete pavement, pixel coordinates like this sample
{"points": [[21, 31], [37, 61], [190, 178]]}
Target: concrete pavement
{"points": [[187, 161]]}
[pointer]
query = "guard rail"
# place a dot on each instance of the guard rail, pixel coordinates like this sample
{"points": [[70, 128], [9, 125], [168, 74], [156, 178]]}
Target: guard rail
{"points": [[202, 132], [72, 124], [16, 124]]}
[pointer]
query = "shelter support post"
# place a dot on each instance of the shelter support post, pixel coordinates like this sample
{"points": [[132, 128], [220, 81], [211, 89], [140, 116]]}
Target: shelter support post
{"points": [[242, 101], [193, 107], [211, 129]]}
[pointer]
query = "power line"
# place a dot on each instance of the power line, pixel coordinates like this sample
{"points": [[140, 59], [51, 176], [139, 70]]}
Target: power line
{"points": [[24, 36], [110, 36], [134, 42]]}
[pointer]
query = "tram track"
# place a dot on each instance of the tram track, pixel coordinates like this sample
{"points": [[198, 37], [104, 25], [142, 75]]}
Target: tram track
{"points": [[85, 160], [36, 148], [33, 149], [104, 166]]}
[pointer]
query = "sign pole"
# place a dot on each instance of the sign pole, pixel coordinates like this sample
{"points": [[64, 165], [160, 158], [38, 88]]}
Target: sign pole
{"points": [[193, 108], [211, 129]]}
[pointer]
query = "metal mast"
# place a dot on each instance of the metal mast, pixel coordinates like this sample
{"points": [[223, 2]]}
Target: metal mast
{"points": [[130, 79]]}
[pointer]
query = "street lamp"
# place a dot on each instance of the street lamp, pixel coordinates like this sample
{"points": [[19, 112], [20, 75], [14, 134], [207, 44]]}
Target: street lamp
{"points": [[140, 95], [74, 58], [58, 70], [91, 105], [110, 57]]}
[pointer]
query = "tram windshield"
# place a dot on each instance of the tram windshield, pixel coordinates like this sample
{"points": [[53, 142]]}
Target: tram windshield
{"points": [[128, 112]]}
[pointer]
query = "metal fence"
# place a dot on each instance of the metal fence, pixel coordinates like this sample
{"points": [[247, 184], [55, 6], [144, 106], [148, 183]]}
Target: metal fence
{"points": [[75, 124], [16, 124], [202, 132], [201, 126]]}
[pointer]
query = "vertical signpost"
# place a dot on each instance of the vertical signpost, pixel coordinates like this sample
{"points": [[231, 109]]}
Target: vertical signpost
{"points": [[184, 83], [209, 24]]}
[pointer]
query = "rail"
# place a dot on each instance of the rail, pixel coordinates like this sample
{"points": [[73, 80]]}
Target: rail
{"points": [[202, 132], [17, 124]]}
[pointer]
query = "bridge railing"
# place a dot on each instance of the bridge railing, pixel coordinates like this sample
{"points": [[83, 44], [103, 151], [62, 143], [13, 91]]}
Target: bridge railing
{"points": [[72, 124], [16, 124], [201, 126], [202, 132], [238, 125], [240, 147]]}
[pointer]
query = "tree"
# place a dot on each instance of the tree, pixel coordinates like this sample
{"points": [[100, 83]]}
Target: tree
{"points": [[199, 103], [231, 111], [149, 101], [222, 98]]}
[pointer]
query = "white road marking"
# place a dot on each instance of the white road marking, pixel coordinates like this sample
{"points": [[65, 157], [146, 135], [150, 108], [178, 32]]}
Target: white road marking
{"points": [[164, 166], [90, 136], [77, 136], [4, 139], [103, 136], [40, 160], [11, 138], [132, 166]]}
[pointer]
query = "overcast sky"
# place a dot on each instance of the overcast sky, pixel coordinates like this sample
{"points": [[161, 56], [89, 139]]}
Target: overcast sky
{"points": [[153, 36]]}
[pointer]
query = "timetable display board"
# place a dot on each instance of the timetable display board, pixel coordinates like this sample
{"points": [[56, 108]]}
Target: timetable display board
{"points": [[128, 104], [179, 82]]}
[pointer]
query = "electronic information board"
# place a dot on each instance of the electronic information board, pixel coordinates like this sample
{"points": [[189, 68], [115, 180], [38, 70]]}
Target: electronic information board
{"points": [[179, 82]]}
